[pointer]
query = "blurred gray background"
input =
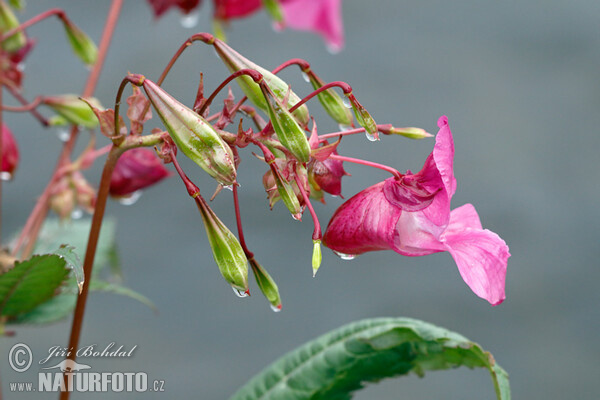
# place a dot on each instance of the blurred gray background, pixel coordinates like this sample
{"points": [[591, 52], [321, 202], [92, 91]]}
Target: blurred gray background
{"points": [[519, 81]]}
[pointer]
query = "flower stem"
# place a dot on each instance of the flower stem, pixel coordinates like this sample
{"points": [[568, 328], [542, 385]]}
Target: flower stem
{"points": [[391, 170], [15, 93], [256, 76], [347, 89], [317, 231], [34, 20]]}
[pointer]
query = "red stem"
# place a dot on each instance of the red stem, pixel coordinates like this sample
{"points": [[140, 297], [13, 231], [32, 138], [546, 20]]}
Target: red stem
{"points": [[303, 64], [38, 18], [15, 93], [255, 75], [317, 231], [342, 85], [391, 170]]}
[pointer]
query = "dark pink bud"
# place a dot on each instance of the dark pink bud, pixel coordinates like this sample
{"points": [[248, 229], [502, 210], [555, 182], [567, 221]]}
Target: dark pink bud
{"points": [[161, 6], [10, 153], [135, 170], [327, 175]]}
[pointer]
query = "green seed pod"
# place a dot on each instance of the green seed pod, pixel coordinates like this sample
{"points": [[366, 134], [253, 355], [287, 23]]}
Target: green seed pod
{"points": [[193, 135], [73, 109], [227, 251], [9, 21], [289, 133], [82, 45], [364, 118], [235, 62], [409, 132], [331, 101], [267, 285], [317, 257]]}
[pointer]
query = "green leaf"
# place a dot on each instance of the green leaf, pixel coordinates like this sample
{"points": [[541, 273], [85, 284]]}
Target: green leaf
{"points": [[334, 365], [31, 283], [68, 254]]}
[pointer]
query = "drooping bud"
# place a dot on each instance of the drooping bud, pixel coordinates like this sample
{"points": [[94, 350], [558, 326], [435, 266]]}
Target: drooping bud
{"points": [[136, 169], [289, 133], [409, 132], [193, 135], [327, 175], [72, 191], [235, 62], [227, 251], [331, 101], [73, 109], [10, 154], [267, 285], [285, 189], [9, 21], [82, 45], [317, 256], [364, 118]]}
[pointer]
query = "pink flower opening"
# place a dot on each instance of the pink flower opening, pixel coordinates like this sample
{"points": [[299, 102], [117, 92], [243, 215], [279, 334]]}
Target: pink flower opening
{"points": [[412, 217]]}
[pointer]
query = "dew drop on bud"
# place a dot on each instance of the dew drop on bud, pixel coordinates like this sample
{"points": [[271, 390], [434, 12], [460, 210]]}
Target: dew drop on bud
{"points": [[62, 133], [346, 102], [344, 127], [131, 199], [77, 213], [345, 256], [278, 26], [240, 293], [5, 176], [190, 20], [333, 49], [276, 308], [305, 77], [297, 217], [371, 137], [228, 187], [21, 67]]}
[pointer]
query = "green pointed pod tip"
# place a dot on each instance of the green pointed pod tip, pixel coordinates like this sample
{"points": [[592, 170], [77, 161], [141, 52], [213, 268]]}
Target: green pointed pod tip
{"points": [[73, 109], [266, 284], [193, 135], [331, 101], [317, 256], [235, 62], [9, 21], [227, 251], [364, 118], [408, 132], [289, 133], [82, 45]]}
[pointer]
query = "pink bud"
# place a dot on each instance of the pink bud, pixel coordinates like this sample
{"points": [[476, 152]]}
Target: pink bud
{"points": [[328, 175], [10, 152], [136, 169]]}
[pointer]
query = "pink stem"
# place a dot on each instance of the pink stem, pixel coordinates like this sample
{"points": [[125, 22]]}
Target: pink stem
{"points": [[317, 231], [391, 170], [342, 85]]}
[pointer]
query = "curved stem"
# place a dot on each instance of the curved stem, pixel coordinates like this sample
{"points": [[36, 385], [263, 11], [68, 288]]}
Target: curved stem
{"points": [[347, 89], [391, 170], [317, 231], [25, 107], [255, 75], [34, 20], [15, 93], [303, 64]]}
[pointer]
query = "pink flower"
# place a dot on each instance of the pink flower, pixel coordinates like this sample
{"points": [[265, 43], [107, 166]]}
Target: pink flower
{"points": [[412, 217], [135, 170], [321, 16], [161, 6], [10, 152], [327, 175]]}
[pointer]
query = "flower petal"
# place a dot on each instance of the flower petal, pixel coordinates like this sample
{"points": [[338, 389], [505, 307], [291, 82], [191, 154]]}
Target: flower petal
{"points": [[480, 254], [443, 155], [366, 222], [321, 16]]}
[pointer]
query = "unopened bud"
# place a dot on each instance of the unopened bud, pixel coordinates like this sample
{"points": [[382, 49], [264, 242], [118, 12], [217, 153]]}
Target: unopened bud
{"points": [[235, 62], [136, 169], [331, 101], [82, 45], [9, 21], [267, 285], [227, 251], [364, 118], [317, 256], [10, 154], [193, 135], [409, 132], [289, 133], [73, 110]]}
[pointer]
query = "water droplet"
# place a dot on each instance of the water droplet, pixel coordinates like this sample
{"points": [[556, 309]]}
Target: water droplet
{"points": [[371, 136], [228, 187], [346, 102], [344, 127], [305, 77], [240, 293], [77, 213], [276, 308], [278, 26], [333, 48], [5, 176], [21, 67], [297, 217], [62, 133], [131, 199], [345, 256], [190, 20]]}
